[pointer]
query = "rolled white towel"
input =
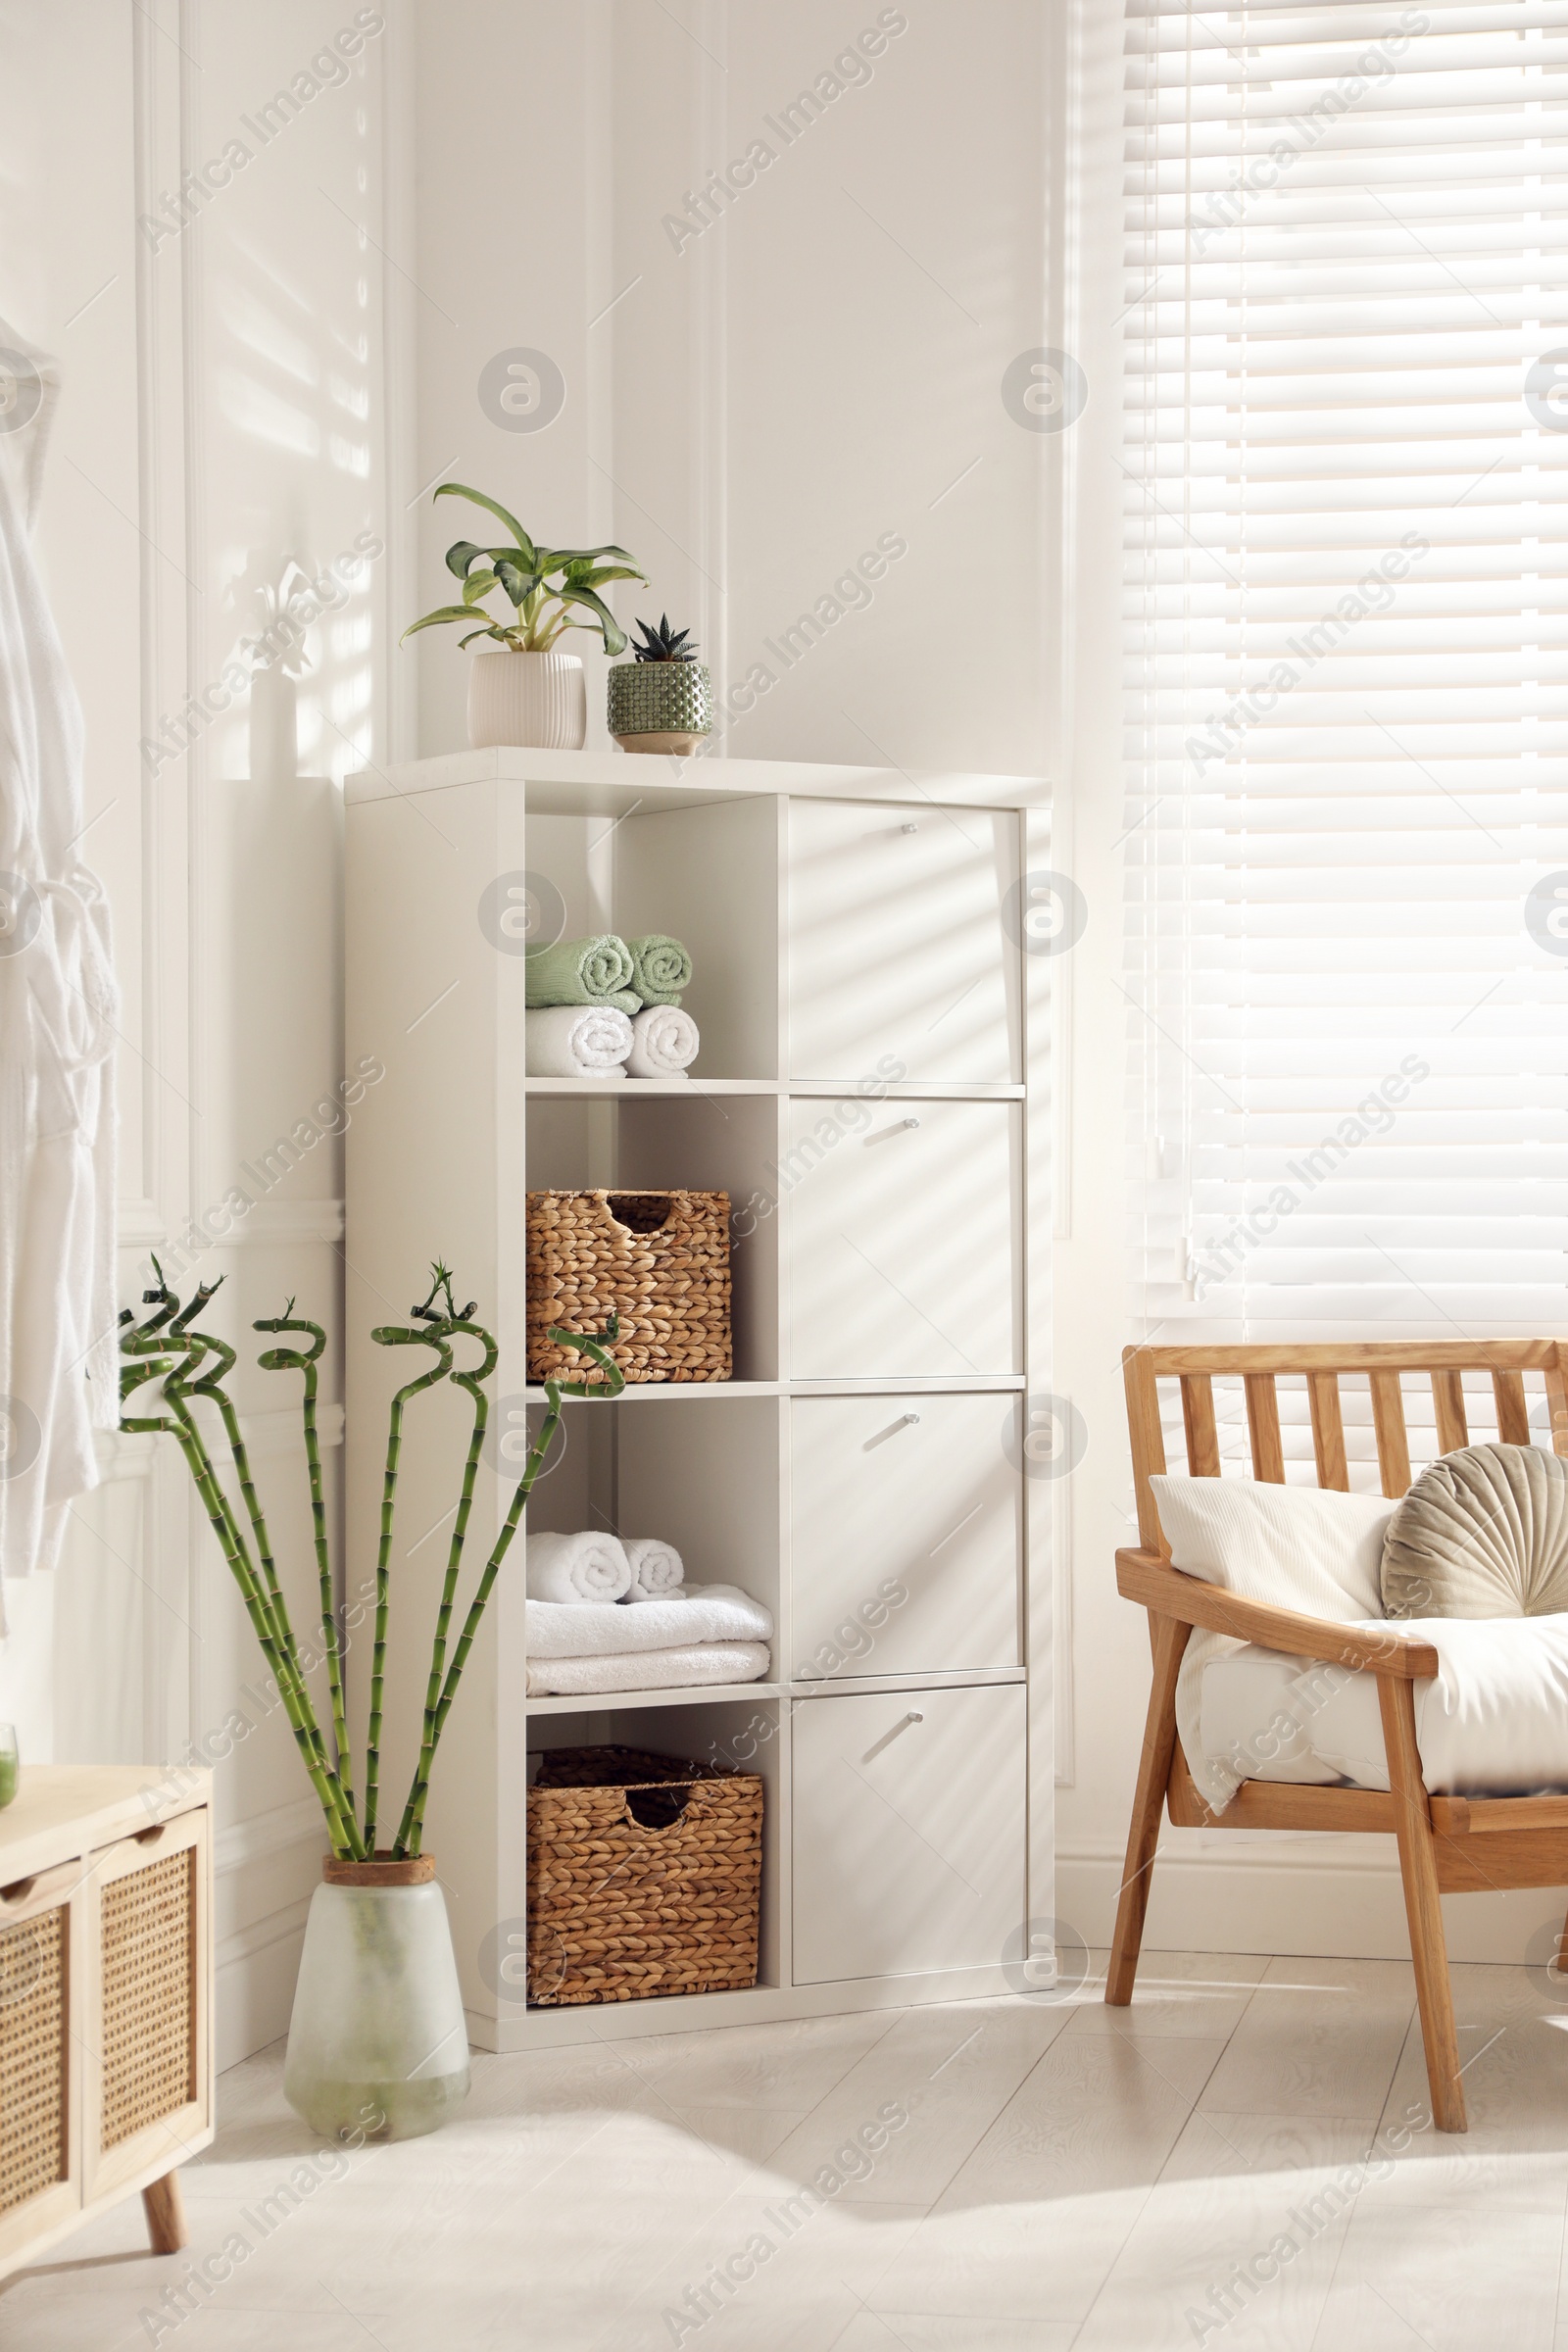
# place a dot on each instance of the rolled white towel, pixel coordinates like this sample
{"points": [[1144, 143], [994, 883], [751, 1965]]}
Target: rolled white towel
{"points": [[656, 1573], [664, 1041], [590, 1566], [579, 1041]]}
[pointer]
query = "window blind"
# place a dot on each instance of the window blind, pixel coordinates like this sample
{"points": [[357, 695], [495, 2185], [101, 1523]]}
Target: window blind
{"points": [[1346, 460]]}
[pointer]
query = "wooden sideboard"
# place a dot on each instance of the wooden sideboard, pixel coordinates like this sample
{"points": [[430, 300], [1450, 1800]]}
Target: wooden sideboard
{"points": [[106, 1998]]}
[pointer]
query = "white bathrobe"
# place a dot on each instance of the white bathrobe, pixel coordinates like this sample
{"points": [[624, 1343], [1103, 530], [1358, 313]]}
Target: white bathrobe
{"points": [[58, 1350]]}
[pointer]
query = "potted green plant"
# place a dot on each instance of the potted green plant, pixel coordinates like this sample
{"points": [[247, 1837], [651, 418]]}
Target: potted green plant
{"points": [[377, 2043], [662, 699], [530, 691]]}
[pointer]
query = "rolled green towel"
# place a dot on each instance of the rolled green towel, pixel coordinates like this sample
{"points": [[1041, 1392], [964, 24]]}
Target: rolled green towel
{"points": [[583, 971], [663, 968]]}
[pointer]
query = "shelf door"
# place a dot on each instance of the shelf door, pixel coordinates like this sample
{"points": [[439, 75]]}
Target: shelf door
{"points": [[898, 943], [903, 1239], [41, 2106], [906, 1516], [148, 2004], [909, 1831]]}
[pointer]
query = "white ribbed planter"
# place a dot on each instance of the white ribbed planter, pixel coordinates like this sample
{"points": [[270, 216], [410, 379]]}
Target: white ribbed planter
{"points": [[540, 699]]}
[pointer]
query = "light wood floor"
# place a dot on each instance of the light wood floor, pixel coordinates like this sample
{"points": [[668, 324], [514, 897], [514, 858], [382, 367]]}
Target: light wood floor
{"points": [[1067, 2177]]}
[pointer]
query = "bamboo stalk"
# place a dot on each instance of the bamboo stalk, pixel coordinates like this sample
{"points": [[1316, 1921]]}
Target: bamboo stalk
{"points": [[296, 1704], [164, 1348], [152, 1343], [208, 1386], [277, 1359], [390, 1335], [268, 1589], [582, 1343], [449, 1586]]}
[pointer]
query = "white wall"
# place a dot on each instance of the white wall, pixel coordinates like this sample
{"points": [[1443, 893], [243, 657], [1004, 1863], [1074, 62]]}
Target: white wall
{"points": [[224, 410]]}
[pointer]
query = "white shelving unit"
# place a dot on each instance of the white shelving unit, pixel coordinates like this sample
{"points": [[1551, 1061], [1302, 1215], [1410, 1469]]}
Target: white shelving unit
{"points": [[873, 1093]]}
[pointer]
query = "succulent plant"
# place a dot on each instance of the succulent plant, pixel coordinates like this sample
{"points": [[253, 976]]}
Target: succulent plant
{"points": [[664, 643]]}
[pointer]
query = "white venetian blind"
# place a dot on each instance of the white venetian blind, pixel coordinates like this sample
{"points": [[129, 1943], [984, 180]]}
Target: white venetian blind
{"points": [[1348, 662]]}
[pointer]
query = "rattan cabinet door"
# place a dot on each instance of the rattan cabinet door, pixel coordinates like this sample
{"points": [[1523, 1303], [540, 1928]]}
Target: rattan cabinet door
{"points": [[907, 1517], [148, 2003], [41, 2111], [909, 1831], [899, 943]]}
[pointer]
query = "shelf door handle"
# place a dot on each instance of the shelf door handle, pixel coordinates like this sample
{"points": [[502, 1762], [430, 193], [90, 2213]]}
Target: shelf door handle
{"points": [[899, 1127], [888, 1738]]}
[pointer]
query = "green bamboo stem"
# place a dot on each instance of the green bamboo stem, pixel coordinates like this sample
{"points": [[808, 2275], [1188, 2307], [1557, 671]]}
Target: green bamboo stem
{"points": [[267, 1586], [296, 1702], [277, 1359], [202, 1343], [151, 1343], [165, 1350], [208, 1386], [448, 1588], [582, 1343], [390, 1335]]}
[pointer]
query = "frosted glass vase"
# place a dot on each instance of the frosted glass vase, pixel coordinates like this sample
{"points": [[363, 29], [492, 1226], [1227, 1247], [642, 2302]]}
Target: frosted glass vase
{"points": [[377, 2047]]}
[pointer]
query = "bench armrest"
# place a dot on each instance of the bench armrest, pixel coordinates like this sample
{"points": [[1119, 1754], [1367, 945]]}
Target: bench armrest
{"points": [[1143, 1577]]}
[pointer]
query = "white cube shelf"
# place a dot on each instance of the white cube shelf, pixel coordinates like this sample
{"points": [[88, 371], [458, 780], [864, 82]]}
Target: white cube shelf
{"points": [[872, 1093]]}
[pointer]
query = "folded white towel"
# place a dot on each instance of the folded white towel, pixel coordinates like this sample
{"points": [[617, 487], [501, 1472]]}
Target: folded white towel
{"points": [[664, 1041], [654, 1668], [579, 1041], [701, 1613], [656, 1573], [590, 1566]]}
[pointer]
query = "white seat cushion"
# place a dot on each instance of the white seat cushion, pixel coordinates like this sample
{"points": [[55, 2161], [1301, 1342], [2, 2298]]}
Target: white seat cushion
{"points": [[1494, 1723], [1255, 1719]]}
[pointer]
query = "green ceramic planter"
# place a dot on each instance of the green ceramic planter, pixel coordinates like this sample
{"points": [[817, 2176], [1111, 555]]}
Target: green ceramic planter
{"points": [[660, 706]]}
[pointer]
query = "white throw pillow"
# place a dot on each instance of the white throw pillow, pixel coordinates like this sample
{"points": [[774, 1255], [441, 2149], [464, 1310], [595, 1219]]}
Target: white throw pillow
{"points": [[1297, 1547], [1308, 1549]]}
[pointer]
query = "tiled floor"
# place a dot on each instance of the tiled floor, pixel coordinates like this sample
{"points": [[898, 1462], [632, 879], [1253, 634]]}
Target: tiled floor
{"points": [[1040, 2174]]}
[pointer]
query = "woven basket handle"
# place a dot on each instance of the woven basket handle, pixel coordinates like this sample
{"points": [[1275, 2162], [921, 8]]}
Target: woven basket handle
{"points": [[656, 1795], [639, 1212]]}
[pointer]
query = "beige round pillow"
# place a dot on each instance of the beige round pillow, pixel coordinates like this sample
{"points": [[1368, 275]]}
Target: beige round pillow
{"points": [[1482, 1533]]}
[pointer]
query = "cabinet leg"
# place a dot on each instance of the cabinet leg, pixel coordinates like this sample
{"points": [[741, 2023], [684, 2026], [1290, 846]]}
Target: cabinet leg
{"points": [[165, 2208]]}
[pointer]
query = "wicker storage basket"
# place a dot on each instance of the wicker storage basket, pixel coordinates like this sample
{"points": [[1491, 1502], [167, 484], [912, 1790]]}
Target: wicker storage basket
{"points": [[643, 1877], [658, 1260]]}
